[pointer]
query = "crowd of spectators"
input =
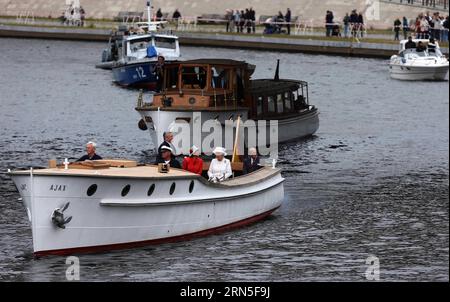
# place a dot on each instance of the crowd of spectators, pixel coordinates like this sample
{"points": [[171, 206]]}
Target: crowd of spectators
{"points": [[425, 26], [240, 20], [352, 24]]}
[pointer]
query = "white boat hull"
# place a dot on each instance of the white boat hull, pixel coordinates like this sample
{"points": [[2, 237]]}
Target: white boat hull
{"points": [[418, 73], [107, 221]]}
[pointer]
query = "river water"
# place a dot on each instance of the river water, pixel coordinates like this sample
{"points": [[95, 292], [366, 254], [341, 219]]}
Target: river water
{"points": [[373, 181]]}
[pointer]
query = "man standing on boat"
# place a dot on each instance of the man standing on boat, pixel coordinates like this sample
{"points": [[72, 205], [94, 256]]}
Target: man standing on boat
{"points": [[90, 150], [159, 73], [410, 43], [167, 158]]}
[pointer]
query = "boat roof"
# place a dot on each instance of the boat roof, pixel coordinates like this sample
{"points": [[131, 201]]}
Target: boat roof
{"points": [[214, 62], [150, 36], [262, 86]]}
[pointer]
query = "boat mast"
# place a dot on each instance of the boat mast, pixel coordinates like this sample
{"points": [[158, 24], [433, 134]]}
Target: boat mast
{"points": [[149, 16]]}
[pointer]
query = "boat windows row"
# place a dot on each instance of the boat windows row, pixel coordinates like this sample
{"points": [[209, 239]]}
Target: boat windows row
{"points": [[281, 103], [92, 189]]}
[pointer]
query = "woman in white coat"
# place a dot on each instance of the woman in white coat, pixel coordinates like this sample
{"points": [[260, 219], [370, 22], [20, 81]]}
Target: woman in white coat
{"points": [[220, 167]]}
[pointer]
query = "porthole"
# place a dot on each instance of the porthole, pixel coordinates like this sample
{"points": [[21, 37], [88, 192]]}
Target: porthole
{"points": [[191, 186], [172, 188], [91, 190], [150, 190], [125, 190]]}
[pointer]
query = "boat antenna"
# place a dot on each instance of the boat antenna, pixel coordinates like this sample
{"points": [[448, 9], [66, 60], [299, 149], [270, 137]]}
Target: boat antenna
{"points": [[277, 71]]}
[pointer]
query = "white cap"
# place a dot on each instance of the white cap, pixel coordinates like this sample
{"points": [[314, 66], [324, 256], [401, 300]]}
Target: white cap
{"points": [[220, 150], [92, 143], [163, 148], [193, 149]]}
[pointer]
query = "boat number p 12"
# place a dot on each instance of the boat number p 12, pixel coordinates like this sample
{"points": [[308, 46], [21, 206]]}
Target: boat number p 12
{"points": [[140, 72]]}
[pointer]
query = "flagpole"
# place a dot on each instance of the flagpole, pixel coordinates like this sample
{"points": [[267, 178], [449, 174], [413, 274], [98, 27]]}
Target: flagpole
{"points": [[235, 147]]}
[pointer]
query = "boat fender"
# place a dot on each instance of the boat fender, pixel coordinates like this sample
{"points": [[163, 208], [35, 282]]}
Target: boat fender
{"points": [[106, 55], [142, 125], [151, 52], [58, 216]]}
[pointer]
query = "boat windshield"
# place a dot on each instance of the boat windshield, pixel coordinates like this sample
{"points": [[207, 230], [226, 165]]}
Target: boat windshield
{"points": [[164, 42], [139, 45], [435, 53], [411, 54], [193, 77]]}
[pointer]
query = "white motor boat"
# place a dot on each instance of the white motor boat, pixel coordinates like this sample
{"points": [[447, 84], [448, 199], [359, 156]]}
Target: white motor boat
{"points": [[114, 204], [411, 64]]}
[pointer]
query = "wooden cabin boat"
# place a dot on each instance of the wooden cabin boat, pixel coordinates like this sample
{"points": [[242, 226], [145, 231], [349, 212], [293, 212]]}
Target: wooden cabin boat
{"points": [[221, 90], [115, 204]]}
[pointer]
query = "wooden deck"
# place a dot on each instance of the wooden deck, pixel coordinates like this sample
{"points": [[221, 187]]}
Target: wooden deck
{"points": [[148, 172], [251, 178]]}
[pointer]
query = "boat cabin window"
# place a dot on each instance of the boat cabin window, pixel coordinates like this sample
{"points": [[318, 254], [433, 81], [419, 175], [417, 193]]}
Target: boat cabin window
{"points": [[220, 78], [280, 103], [171, 77], [139, 46], [136, 45], [270, 104], [193, 77], [288, 101], [300, 99], [259, 105], [162, 42]]}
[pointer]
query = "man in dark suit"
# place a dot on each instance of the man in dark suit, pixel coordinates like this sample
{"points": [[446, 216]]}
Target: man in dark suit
{"points": [[287, 19], [251, 163], [410, 43], [90, 150]]}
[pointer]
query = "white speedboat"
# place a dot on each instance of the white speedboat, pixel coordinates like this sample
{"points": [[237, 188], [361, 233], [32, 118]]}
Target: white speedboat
{"points": [[410, 64], [115, 204]]}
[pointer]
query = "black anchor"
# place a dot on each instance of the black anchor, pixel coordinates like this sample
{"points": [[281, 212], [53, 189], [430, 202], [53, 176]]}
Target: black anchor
{"points": [[58, 216]]}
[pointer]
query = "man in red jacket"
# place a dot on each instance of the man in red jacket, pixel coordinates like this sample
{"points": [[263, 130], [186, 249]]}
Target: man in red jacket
{"points": [[193, 163]]}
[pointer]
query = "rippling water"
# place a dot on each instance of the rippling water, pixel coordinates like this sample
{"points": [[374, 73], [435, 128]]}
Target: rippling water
{"points": [[372, 181]]}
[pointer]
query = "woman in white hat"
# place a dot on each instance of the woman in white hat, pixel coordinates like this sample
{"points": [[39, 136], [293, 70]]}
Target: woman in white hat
{"points": [[193, 163], [220, 167]]}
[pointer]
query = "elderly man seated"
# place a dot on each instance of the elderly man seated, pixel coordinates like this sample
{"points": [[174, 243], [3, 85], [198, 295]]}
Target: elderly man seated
{"points": [[90, 150], [220, 167], [251, 163]]}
